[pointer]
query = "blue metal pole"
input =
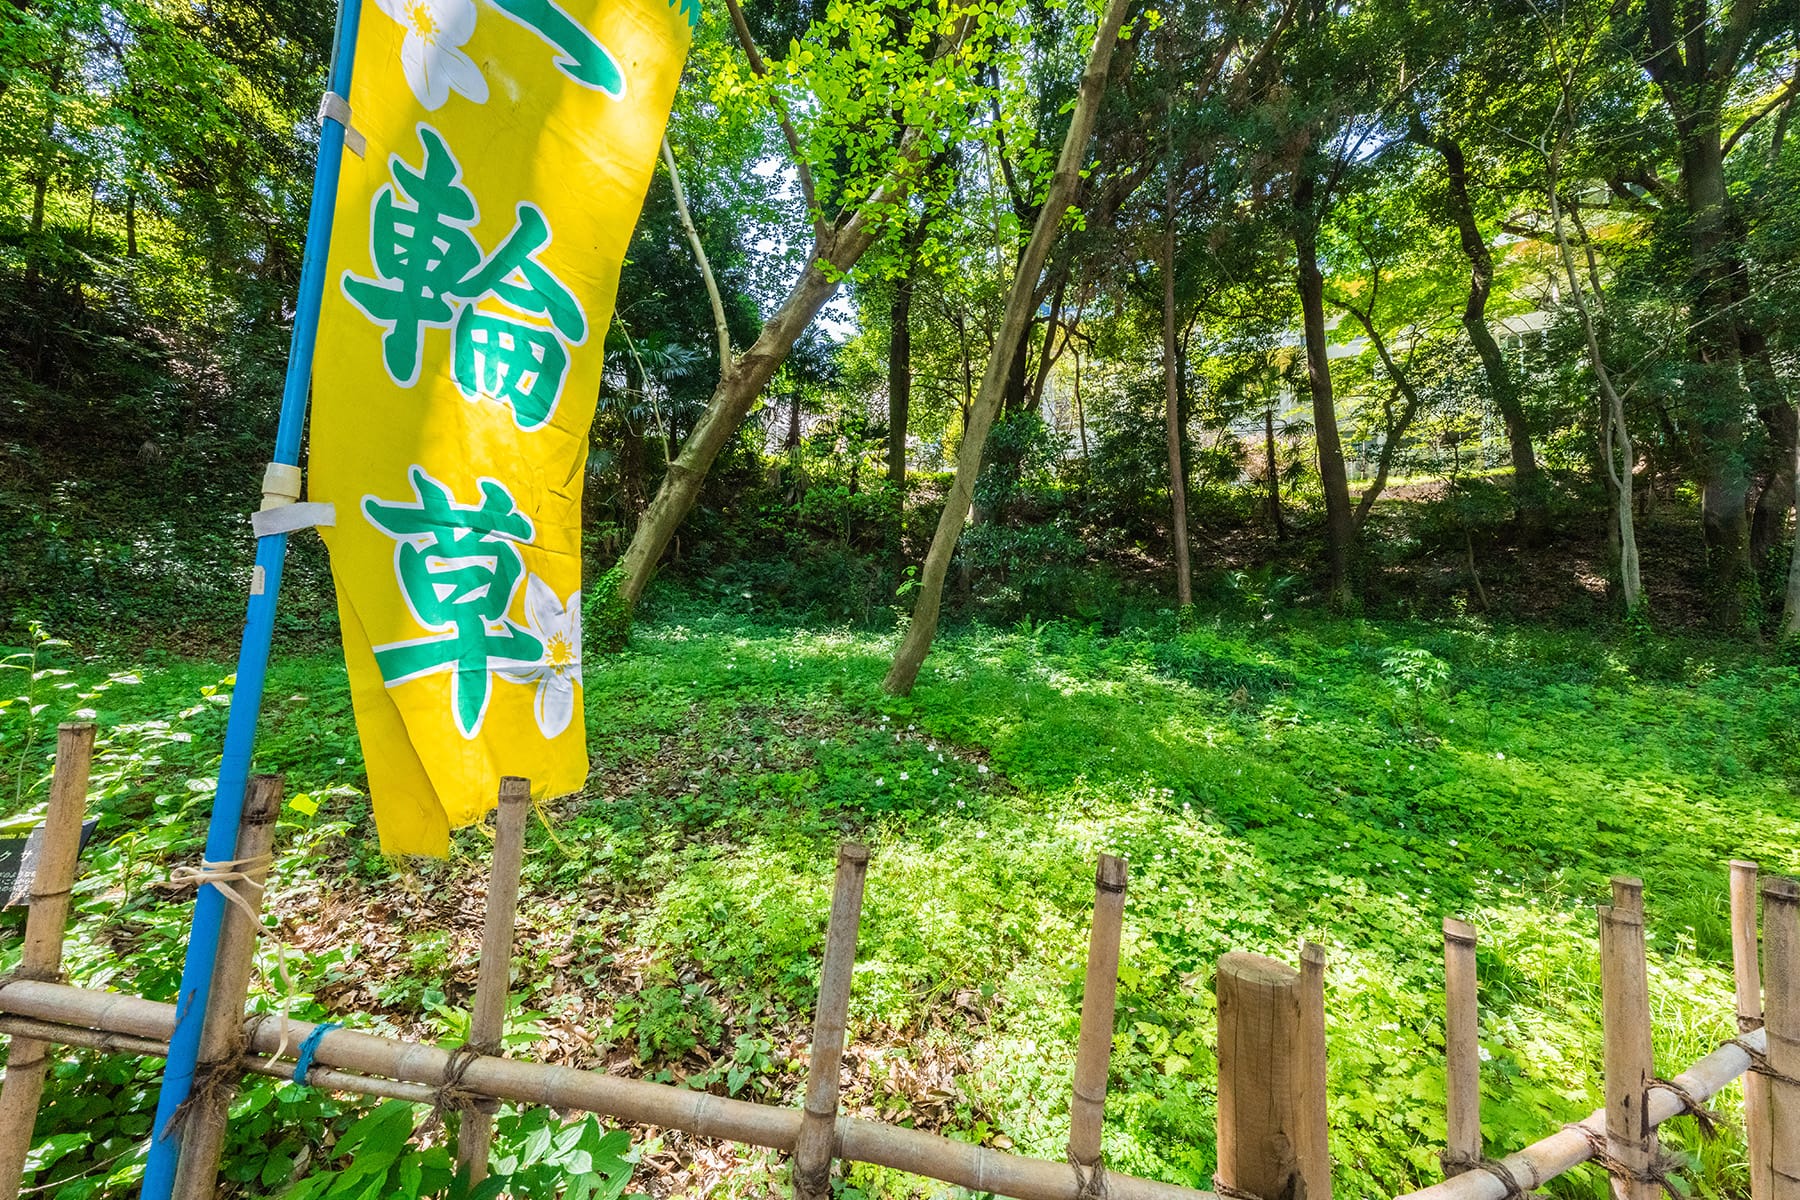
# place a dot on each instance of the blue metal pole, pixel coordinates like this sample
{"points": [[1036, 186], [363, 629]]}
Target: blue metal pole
{"points": [[259, 630]]}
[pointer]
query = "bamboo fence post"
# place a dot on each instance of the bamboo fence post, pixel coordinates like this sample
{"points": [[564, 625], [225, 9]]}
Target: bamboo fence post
{"points": [[1629, 1057], [218, 1066], [1313, 1146], [1462, 1050], [1748, 978], [45, 926], [815, 1144], [487, 1019], [1267, 1079], [1093, 1052], [1781, 977]]}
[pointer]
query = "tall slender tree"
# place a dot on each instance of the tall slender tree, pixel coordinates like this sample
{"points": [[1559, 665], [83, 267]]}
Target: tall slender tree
{"points": [[922, 629], [940, 56]]}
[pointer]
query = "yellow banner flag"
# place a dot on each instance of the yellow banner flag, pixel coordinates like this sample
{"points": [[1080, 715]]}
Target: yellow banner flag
{"points": [[474, 262]]}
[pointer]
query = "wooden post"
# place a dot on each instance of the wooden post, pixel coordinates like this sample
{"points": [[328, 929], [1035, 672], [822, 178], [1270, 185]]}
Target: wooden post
{"points": [[1093, 1052], [1748, 977], [217, 1069], [1462, 1049], [1271, 1081], [1781, 1007], [45, 925], [816, 1142], [487, 1020], [1629, 1059], [1312, 1144]]}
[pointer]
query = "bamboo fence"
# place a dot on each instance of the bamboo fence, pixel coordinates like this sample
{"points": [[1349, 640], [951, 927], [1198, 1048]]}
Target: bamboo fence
{"points": [[1272, 1128]]}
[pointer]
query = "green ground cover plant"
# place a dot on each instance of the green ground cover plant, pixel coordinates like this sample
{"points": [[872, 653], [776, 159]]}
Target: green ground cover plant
{"points": [[1348, 781]]}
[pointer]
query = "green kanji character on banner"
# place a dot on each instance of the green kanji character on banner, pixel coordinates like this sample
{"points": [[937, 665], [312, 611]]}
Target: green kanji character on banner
{"points": [[433, 275], [420, 243], [582, 58], [512, 362], [513, 274], [459, 568]]}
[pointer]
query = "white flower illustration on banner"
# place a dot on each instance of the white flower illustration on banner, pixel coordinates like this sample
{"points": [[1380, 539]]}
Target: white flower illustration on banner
{"points": [[558, 673], [431, 53]]}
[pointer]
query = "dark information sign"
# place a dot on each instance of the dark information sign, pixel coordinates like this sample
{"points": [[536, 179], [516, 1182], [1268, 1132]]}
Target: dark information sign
{"points": [[19, 861]]}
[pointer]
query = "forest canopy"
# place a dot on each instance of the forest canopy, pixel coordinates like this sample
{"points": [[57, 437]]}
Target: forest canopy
{"points": [[1377, 304]]}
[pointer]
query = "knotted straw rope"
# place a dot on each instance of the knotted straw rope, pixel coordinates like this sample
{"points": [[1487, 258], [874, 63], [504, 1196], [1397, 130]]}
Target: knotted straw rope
{"points": [[1704, 1117], [234, 870], [1456, 1162], [220, 875], [1090, 1177], [1760, 1064], [1661, 1170], [451, 1095]]}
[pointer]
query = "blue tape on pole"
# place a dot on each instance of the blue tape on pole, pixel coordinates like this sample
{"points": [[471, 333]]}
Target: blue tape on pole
{"points": [[303, 1061]]}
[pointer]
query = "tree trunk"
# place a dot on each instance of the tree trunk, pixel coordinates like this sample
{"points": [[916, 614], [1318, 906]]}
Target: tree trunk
{"points": [[836, 250], [1274, 473], [1528, 490], [900, 354], [1768, 524], [1725, 475], [1080, 413], [1790, 614], [922, 629], [899, 380], [1615, 436], [737, 390], [131, 246], [631, 473], [34, 252], [1340, 527], [40, 192], [1184, 576], [721, 328], [1048, 355]]}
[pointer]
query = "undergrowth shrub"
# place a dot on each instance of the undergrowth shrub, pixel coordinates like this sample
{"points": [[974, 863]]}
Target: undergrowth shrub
{"points": [[606, 613]]}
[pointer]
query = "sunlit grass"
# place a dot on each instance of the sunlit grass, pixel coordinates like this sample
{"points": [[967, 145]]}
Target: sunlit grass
{"points": [[1266, 784]]}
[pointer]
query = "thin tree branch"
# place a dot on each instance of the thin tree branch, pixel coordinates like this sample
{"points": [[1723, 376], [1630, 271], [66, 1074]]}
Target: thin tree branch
{"points": [[720, 327], [1780, 98], [820, 227]]}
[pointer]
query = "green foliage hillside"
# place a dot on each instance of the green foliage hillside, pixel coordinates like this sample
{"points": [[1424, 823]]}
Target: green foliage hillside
{"points": [[1347, 781]]}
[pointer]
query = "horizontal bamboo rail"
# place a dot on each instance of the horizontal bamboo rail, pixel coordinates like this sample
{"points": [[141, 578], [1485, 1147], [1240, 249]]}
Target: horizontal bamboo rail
{"points": [[1568, 1148], [631, 1100], [120, 1043]]}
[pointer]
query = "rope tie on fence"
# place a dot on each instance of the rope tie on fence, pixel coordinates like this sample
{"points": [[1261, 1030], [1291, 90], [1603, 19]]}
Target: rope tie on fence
{"points": [[1704, 1117], [239, 870], [303, 1058], [1090, 1177], [215, 1083], [1456, 1162], [1760, 1064], [1748, 1023], [218, 874], [451, 1095], [1232, 1193], [1662, 1169]]}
